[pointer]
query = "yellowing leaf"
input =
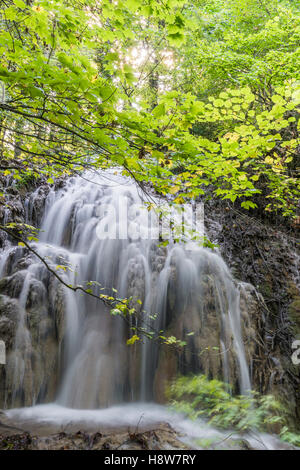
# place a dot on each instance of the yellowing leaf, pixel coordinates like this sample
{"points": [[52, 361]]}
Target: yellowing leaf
{"points": [[174, 189], [179, 200], [132, 340]]}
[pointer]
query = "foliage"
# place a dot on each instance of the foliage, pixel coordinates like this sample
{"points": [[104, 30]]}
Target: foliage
{"points": [[216, 95], [197, 397], [291, 437], [239, 43], [256, 153], [186, 96]]}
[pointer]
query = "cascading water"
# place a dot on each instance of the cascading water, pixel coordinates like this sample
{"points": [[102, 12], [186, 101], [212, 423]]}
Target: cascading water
{"points": [[188, 293]]}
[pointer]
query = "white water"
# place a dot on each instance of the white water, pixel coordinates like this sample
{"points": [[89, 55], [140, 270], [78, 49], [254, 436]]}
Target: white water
{"points": [[134, 267], [137, 417], [97, 368]]}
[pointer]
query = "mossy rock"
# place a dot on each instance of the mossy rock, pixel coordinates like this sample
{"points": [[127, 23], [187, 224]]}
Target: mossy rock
{"points": [[294, 313]]}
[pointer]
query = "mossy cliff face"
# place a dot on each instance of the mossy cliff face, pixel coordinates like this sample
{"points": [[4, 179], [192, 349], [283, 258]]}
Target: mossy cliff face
{"points": [[266, 255], [294, 308]]}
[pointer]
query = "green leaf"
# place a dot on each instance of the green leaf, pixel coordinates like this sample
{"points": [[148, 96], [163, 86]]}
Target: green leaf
{"points": [[248, 205], [20, 4], [115, 312], [176, 39], [159, 110]]}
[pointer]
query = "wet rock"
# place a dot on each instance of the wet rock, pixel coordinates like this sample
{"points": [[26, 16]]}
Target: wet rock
{"points": [[162, 437], [12, 285], [264, 254], [33, 337]]}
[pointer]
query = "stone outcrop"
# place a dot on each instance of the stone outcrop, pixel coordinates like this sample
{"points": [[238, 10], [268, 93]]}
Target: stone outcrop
{"points": [[33, 332], [265, 254], [33, 337]]}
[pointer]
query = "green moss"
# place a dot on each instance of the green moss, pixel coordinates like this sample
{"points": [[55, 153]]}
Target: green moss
{"points": [[294, 315], [294, 310], [266, 289]]}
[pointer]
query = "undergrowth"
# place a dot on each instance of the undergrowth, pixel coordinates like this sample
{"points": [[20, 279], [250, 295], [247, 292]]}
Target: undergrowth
{"points": [[198, 397]]}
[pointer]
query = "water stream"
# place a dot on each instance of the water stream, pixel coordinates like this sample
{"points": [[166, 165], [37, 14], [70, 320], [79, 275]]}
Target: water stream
{"points": [[98, 231]]}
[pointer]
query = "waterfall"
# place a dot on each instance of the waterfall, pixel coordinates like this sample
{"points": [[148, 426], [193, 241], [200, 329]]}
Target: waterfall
{"points": [[181, 291]]}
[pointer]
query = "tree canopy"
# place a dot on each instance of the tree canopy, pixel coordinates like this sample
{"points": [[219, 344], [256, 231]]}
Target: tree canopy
{"points": [[183, 95]]}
